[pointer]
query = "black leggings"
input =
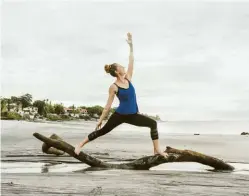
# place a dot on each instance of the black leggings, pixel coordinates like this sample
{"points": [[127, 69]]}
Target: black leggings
{"points": [[133, 119]]}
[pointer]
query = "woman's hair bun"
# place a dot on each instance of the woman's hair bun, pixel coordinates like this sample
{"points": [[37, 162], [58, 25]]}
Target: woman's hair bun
{"points": [[107, 68]]}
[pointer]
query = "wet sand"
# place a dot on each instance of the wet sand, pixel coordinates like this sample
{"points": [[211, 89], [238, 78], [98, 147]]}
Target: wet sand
{"points": [[126, 183], [27, 171]]}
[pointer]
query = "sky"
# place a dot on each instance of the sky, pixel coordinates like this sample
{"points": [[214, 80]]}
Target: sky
{"points": [[191, 57]]}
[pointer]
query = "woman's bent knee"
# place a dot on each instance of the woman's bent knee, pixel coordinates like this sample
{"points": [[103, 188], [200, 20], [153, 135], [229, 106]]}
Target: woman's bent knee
{"points": [[153, 124]]}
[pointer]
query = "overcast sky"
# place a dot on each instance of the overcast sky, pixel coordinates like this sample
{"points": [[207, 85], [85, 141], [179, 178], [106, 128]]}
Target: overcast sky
{"points": [[191, 57]]}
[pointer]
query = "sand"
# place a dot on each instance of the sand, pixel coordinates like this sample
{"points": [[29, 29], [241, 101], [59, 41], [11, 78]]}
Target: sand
{"points": [[27, 171]]}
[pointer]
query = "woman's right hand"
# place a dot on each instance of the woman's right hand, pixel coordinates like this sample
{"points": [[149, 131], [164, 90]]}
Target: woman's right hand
{"points": [[129, 39], [98, 125]]}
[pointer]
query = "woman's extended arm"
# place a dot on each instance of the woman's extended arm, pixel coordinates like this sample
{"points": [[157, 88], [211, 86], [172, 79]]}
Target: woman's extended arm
{"points": [[112, 91], [131, 57]]}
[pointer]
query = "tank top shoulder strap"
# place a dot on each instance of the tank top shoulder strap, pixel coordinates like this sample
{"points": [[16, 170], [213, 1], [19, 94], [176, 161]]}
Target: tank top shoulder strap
{"points": [[117, 87], [115, 84], [128, 80]]}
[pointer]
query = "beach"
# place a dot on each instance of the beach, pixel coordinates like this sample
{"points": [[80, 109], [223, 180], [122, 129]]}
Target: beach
{"points": [[188, 62], [27, 171]]}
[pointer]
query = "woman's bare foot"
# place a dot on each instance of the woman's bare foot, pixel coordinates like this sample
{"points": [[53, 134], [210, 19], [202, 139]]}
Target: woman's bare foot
{"points": [[80, 145], [77, 149], [164, 154]]}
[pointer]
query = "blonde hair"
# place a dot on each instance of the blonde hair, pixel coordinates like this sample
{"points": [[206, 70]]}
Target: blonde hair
{"points": [[107, 68], [111, 69]]}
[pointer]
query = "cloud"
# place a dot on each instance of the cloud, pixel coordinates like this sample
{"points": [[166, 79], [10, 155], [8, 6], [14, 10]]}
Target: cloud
{"points": [[191, 59]]}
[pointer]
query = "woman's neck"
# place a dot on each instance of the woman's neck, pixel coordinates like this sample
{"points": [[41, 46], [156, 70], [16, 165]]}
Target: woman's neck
{"points": [[121, 79]]}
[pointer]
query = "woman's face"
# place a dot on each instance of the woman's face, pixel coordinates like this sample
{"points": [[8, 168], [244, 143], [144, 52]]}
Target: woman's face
{"points": [[121, 70]]}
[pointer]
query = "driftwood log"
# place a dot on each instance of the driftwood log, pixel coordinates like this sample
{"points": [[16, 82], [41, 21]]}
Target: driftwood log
{"points": [[144, 163], [48, 149]]}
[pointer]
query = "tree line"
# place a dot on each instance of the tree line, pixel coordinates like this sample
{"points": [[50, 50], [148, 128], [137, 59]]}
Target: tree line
{"points": [[45, 106]]}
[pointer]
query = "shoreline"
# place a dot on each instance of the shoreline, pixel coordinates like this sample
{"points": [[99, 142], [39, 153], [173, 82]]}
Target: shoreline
{"points": [[62, 120], [47, 121], [164, 129]]}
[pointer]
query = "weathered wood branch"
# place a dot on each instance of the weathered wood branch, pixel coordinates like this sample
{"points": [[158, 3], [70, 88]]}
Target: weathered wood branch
{"points": [[144, 163], [192, 156], [64, 146], [51, 150]]}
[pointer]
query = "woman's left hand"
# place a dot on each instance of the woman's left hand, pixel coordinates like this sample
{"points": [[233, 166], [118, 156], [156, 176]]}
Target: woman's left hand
{"points": [[98, 125], [129, 38]]}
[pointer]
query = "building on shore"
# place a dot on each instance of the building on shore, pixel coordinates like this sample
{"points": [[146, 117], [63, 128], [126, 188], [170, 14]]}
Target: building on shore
{"points": [[75, 112]]}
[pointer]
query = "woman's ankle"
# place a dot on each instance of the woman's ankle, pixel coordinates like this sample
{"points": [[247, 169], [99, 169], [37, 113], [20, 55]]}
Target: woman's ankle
{"points": [[81, 144]]}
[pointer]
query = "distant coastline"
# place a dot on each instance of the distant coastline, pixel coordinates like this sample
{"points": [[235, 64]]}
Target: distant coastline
{"points": [[24, 108]]}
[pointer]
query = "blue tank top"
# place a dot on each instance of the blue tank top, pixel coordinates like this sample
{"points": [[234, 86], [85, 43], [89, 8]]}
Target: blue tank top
{"points": [[127, 100]]}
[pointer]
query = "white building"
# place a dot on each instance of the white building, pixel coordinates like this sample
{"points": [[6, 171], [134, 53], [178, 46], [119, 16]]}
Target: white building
{"points": [[14, 107], [83, 112], [96, 116], [31, 111]]}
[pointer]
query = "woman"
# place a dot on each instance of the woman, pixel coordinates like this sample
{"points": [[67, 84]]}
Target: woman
{"points": [[127, 112]]}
